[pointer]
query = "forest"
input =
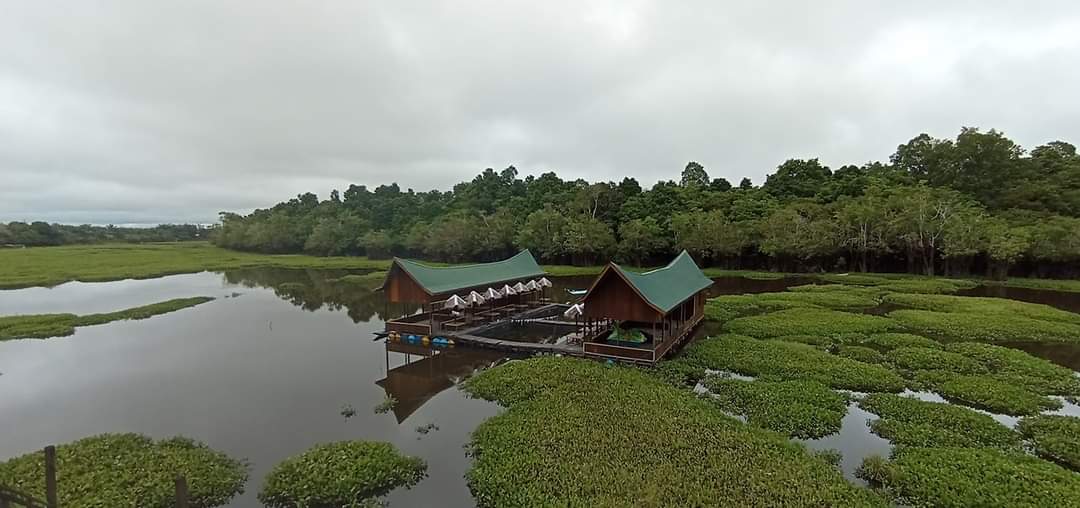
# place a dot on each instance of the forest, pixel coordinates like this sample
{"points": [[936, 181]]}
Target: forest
{"points": [[977, 204], [39, 234]]}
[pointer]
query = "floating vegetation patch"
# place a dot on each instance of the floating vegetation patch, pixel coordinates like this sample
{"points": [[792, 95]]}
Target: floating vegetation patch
{"points": [[986, 392], [830, 296], [981, 305], [966, 326], [386, 405], [1054, 437], [971, 477], [426, 429], [907, 421], [808, 322], [42, 326], [861, 354], [345, 473], [784, 361], [920, 358], [1017, 367], [625, 438], [728, 307], [887, 341], [927, 286], [802, 409], [130, 470]]}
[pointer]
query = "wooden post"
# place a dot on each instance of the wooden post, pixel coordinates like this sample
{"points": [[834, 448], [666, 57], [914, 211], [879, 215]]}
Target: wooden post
{"points": [[50, 477], [181, 492]]}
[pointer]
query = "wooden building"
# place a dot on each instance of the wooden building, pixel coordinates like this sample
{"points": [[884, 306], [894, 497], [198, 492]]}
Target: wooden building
{"points": [[410, 282], [640, 317]]}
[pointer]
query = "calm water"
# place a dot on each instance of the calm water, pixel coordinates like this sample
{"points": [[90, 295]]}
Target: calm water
{"points": [[263, 372]]}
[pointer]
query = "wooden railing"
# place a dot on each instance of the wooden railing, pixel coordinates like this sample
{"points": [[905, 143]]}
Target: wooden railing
{"points": [[12, 498]]}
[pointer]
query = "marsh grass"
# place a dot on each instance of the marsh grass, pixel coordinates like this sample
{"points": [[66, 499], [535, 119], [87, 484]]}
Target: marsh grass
{"points": [[971, 477], [802, 409], [887, 341], [344, 473], [919, 358], [130, 470], [1054, 437], [906, 421], [861, 354], [42, 326], [579, 433]]}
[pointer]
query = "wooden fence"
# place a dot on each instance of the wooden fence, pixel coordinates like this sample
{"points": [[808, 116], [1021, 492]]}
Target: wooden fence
{"points": [[12, 498]]}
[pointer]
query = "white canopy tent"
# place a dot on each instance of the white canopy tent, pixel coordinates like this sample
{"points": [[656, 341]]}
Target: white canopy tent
{"points": [[455, 302]]}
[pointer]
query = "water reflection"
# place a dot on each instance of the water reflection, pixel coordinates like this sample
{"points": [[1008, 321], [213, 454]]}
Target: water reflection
{"points": [[425, 372]]}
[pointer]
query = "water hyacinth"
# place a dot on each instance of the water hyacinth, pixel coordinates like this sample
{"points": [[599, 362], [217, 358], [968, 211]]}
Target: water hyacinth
{"points": [[345, 473], [130, 470], [1054, 437], [907, 421], [804, 321], [803, 409]]}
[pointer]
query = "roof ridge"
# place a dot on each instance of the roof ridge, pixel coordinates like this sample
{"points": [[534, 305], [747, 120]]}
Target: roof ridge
{"points": [[424, 265]]}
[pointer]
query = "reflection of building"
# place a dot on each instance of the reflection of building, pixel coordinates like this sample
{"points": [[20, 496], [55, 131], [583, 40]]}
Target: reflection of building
{"points": [[431, 372]]}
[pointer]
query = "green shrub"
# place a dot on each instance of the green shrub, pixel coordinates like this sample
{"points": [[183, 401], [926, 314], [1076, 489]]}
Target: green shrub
{"points": [[984, 327], [886, 341], [1054, 437], [907, 421], [1017, 367], [986, 392], [340, 474], [130, 470], [981, 305], [957, 477], [42, 326], [920, 358], [803, 409], [861, 354], [579, 433], [808, 322], [785, 361]]}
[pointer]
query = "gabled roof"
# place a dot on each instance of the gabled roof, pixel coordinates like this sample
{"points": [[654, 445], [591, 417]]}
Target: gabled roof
{"points": [[437, 280], [667, 287]]}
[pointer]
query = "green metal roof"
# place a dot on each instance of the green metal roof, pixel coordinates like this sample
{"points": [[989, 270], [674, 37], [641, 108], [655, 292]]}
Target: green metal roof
{"points": [[667, 287], [447, 279]]}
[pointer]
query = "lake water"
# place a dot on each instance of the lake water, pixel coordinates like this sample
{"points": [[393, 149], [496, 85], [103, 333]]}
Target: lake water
{"points": [[264, 371]]}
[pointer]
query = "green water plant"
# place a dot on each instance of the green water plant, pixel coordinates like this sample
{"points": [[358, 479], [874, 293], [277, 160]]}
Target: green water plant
{"points": [[579, 433], [907, 421], [803, 321], [956, 477], [130, 470], [983, 306], [892, 340], [773, 360], [980, 327], [1020, 368], [388, 403], [986, 392], [803, 409], [920, 358], [344, 473], [1054, 437], [860, 353], [42, 326]]}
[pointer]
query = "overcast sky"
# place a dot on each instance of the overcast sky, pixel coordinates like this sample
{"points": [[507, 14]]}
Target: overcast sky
{"points": [[158, 111]]}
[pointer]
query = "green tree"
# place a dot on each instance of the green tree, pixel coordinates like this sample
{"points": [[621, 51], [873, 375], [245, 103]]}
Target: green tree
{"points": [[694, 175], [641, 239], [587, 240], [544, 232], [797, 178]]}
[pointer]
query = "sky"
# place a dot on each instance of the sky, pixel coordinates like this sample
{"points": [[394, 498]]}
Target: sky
{"points": [[143, 112]]}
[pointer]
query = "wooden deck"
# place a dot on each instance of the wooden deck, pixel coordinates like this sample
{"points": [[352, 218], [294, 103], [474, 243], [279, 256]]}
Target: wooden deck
{"points": [[590, 348]]}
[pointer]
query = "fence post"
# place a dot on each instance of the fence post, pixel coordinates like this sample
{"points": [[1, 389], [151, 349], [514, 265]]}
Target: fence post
{"points": [[181, 492], [50, 476]]}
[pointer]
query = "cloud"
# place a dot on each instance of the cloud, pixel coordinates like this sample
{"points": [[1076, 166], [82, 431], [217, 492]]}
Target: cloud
{"points": [[133, 111]]}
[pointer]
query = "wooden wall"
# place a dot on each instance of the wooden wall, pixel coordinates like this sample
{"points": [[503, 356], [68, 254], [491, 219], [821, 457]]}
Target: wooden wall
{"points": [[400, 287], [612, 297]]}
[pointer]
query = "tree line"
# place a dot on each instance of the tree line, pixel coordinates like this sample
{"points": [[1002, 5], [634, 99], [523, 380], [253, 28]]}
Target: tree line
{"points": [[978, 203], [38, 234]]}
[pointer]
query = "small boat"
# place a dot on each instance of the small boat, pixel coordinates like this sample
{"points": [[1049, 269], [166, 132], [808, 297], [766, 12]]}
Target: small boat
{"points": [[577, 292]]}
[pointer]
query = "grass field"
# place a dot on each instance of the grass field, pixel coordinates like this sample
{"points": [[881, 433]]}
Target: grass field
{"points": [[49, 266]]}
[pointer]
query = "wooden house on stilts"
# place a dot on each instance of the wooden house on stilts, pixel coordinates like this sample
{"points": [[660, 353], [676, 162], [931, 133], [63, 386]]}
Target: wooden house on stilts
{"points": [[639, 317]]}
